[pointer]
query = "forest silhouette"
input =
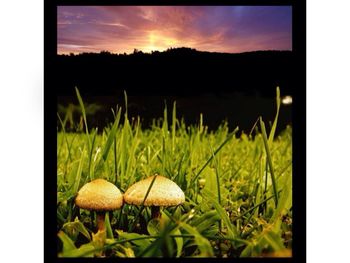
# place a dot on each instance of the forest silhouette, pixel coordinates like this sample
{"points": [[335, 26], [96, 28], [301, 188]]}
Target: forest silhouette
{"points": [[176, 71]]}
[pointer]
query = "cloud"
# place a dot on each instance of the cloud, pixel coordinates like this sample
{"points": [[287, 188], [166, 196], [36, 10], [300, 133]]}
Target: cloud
{"points": [[123, 28]]}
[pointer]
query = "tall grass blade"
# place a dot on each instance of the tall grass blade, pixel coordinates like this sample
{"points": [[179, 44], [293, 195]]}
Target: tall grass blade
{"points": [[217, 182], [81, 103], [130, 169], [165, 121], [126, 104], [268, 154], [90, 171], [274, 125], [64, 136], [173, 128], [111, 136], [79, 172]]}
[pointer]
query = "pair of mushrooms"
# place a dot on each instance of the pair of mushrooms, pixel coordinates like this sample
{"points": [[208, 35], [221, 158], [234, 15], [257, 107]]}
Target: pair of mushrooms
{"points": [[101, 196]]}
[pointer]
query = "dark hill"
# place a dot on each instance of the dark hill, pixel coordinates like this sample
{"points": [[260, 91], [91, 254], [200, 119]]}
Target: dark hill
{"points": [[180, 72]]}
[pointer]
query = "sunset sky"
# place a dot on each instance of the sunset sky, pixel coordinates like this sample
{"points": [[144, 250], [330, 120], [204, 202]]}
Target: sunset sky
{"points": [[122, 29]]}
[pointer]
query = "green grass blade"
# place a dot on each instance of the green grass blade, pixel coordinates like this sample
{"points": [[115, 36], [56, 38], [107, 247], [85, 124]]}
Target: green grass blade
{"points": [[173, 127], [86, 250], [165, 121], [81, 103], [138, 239], [209, 197], [115, 155], [76, 226], [108, 226], [206, 220], [217, 182], [126, 104], [111, 136], [211, 157], [79, 172], [274, 241], [285, 202], [65, 137], [274, 125], [201, 242], [68, 244], [90, 171], [269, 158], [131, 163], [217, 175]]}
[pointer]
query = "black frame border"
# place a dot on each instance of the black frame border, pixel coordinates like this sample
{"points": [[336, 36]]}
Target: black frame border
{"points": [[298, 118]]}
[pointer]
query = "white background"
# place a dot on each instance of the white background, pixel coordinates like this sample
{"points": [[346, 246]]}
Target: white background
{"points": [[21, 131]]}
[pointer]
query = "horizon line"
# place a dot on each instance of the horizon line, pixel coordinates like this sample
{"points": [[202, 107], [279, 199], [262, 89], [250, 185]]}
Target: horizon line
{"points": [[137, 51]]}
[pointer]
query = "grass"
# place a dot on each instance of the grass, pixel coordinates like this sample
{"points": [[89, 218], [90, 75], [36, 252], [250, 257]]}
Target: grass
{"points": [[238, 188]]}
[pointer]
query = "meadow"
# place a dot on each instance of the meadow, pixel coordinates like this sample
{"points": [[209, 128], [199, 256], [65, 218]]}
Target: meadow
{"points": [[238, 187]]}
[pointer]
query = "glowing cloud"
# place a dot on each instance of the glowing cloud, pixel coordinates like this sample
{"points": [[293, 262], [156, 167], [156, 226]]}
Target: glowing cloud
{"points": [[120, 29]]}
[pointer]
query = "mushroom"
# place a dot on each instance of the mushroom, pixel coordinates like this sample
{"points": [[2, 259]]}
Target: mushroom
{"points": [[99, 195], [163, 192]]}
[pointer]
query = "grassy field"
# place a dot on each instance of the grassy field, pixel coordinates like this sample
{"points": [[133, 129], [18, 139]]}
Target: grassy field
{"points": [[238, 188]]}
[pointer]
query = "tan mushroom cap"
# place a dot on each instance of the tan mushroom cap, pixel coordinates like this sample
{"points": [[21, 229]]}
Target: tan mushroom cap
{"points": [[99, 195], [164, 192]]}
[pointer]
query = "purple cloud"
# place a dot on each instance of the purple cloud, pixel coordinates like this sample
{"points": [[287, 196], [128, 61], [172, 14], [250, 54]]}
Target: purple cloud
{"points": [[120, 29]]}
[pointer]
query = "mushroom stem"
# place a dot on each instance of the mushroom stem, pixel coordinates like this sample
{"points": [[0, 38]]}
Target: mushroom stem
{"points": [[101, 228], [155, 212], [100, 221]]}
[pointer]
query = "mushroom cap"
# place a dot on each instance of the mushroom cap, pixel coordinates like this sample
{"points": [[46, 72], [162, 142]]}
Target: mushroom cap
{"points": [[99, 195], [164, 192]]}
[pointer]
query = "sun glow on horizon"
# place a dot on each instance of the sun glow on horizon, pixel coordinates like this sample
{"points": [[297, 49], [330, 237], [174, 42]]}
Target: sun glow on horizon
{"points": [[158, 42]]}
